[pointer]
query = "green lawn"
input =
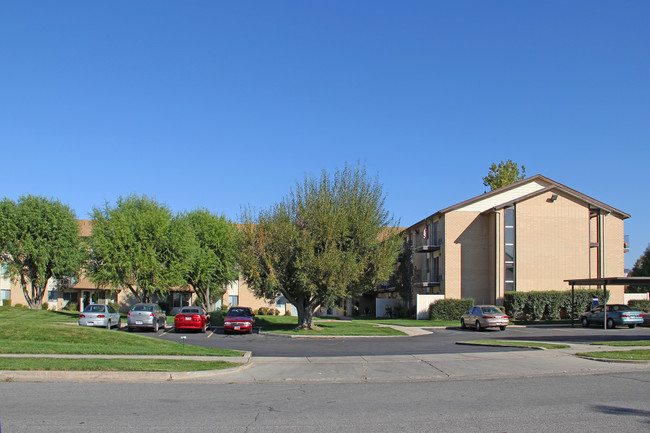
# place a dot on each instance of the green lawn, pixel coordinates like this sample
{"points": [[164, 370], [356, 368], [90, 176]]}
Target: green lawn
{"points": [[46, 332], [328, 327], [629, 355], [624, 343], [508, 343], [91, 364], [409, 322]]}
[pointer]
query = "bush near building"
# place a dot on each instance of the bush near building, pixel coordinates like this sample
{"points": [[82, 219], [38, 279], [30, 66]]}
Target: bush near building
{"points": [[550, 304], [449, 309], [639, 304]]}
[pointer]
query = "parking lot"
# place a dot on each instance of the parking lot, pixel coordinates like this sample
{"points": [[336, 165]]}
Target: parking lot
{"points": [[440, 340]]}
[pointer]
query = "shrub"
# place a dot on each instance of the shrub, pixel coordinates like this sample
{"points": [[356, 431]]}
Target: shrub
{"points": [[276, 312], [549, 304], [115, 306], [72, 306], [449, 309], [639, 304], [263, 311], [44, 306], [6, 302], [18, 305]]}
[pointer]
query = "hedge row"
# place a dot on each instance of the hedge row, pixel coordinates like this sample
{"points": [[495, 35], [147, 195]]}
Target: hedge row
{"points": [[449, 309], [639, 304], [551, 304]]}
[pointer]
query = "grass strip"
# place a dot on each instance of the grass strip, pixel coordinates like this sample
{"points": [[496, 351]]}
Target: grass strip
{"points": [[524, 344], [67, 364], [287, 325], [623, 343], [411, 322], [627, 355]]}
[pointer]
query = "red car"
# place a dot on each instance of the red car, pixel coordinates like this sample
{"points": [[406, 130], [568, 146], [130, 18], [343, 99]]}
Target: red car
{"points": [[191, 318], [239, 319]]}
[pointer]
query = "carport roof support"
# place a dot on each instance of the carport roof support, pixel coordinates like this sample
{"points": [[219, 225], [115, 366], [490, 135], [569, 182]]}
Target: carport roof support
{"points": [[613, 281]]}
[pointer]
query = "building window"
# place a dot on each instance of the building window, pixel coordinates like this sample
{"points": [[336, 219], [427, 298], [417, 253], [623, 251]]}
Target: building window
{"points": [[5, 294], [52, 295], [510, 249], [233, 301]]}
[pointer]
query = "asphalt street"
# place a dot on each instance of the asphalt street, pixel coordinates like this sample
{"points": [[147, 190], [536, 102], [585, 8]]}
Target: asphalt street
{"points": [[604, 402], [437, 341]]}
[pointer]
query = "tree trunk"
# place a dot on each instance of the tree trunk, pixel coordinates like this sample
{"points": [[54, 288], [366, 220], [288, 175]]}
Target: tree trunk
{"points": [[34, 301], [305, 309]]}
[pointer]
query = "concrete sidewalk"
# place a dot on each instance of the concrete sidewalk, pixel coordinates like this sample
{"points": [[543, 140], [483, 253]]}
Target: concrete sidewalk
{"points": [[363, 369]]}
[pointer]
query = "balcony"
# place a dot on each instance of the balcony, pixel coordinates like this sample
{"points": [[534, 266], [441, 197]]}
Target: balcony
{"points": [[427, 245], [422, 278]]}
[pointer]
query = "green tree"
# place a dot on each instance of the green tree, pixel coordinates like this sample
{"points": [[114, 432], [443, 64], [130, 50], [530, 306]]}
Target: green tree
{"points": [[138, 245], [39, 241], [641, 269], [326, 241], [503, 174], [404, 273], [213, 262]]}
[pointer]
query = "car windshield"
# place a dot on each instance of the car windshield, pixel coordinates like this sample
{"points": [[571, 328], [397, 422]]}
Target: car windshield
{"points": [[238, 312], [94, 309], [143, 308], [190, 311], [491, 310]]}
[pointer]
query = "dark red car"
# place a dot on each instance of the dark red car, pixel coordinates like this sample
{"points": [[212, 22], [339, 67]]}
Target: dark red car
{"points": [[191, 318], [239, 319]]}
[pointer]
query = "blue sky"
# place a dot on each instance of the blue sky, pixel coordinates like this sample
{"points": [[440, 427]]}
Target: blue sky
{"points": [[223, 104]]}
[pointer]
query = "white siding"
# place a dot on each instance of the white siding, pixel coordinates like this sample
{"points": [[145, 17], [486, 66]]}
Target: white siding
{"points": [[504, 197]]}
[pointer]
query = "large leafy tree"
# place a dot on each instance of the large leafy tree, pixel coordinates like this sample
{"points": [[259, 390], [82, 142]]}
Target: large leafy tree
{"points": [[140, 246], [641, 269], [328, 240], [39, 241], [213, 262], [503, 174]]}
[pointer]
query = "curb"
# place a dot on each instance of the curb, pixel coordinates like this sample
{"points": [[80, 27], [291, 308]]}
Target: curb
{"points": [[469, 343]]}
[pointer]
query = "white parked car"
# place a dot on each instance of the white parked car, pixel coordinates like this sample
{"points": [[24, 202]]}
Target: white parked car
{"points": [[100, 315]]}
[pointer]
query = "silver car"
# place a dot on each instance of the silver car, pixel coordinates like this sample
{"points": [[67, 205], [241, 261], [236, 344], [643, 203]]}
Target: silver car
{"points": [[146, 316], [485, 316], [100, 315]]}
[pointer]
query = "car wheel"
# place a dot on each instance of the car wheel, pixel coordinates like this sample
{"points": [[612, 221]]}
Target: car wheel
{"points": [[503, 328], [108, 324], [610, 324], [585, 322], [632, 325], [119, 323], [130, 329], [478, 326], [462, 324]]}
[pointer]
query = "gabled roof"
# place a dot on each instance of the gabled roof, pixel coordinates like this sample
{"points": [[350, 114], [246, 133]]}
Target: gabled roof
{"points": [[523, 190]]}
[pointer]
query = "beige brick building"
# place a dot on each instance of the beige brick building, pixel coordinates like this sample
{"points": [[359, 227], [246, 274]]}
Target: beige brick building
{"points": [[531, 235]]}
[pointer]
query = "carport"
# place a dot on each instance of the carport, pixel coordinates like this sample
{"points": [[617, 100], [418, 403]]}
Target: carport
{"points": [[612, 281]]}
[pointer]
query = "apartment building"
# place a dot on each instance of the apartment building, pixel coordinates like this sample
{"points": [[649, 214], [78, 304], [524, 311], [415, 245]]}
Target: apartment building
{"points": [[530, 235]]}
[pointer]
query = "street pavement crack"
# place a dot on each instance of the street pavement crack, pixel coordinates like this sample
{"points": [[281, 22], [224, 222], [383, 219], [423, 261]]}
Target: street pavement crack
{"points": [[435, 368]]}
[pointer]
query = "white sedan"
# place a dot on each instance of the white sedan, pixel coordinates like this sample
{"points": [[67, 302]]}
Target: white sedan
{"points": [[100, 315]]}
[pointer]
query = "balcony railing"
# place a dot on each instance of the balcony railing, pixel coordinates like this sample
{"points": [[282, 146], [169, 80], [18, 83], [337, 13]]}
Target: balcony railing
{"points": [[422, 278], [423, 245]]}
